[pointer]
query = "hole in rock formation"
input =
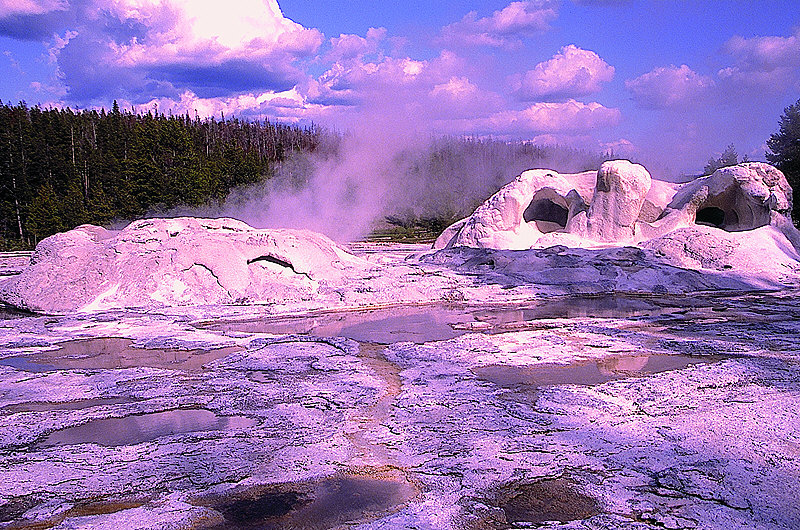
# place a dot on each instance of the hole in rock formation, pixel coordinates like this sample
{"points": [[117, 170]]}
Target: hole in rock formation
{"points": [[588, 373], [9, 313], [135, 429], [328, 503], [733, 210], [111, 353], [269, 259], [548, 215], [273, 260], [712, 216], [548, 500]]}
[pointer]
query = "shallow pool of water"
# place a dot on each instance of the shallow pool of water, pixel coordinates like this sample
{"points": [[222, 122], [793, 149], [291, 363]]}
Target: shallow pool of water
{"points": [[135, 429], [547, 500], [590, 372], [112, 353], [329, 503], [430, 323]]}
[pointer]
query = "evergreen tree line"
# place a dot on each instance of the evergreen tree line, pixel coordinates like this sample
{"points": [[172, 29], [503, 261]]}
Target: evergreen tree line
{"points": [[60, 168], [784, 146], [455, 175]]}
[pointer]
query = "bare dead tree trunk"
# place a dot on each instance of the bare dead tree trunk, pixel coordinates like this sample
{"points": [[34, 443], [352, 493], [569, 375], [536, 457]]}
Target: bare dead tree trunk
{"points": [[72, 135], [16, 204]]}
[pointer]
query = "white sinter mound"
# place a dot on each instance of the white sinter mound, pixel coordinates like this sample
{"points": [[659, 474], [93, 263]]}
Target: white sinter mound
{"points": [[168, 262], [737, 219]]}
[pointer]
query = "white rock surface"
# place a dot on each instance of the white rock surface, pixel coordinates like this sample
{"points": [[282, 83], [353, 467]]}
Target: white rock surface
{"points": [[166, 262], [737, 220], [500, 221], [618, 198], [710, 442], [626, 205]]}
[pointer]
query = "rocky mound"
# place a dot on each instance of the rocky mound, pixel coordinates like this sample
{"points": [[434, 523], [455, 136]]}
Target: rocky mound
{"points": [[541, 207], [167, 262], [737, 219]]}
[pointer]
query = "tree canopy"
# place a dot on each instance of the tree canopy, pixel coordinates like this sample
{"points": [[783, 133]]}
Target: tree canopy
{"points": [[784, 147], [60, 168], [729, 157]]}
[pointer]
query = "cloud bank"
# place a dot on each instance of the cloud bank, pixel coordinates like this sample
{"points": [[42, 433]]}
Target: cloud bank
{"points": [[669, 86], [505, 28], [499, 71]]}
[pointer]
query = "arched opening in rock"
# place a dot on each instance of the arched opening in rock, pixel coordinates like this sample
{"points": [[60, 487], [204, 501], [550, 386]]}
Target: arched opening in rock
{"points": [[711, 216], [546, 211], [731, 213], [733, 210]]}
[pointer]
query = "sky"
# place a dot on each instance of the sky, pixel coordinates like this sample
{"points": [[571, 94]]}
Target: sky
{"points": [[665, 83]]}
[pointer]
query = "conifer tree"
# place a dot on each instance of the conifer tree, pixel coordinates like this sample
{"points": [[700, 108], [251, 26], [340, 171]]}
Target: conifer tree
{"points": [[784, 147]]}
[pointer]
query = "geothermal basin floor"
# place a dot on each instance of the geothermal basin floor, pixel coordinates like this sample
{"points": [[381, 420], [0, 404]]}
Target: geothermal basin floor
{"points": [[565, 412]]}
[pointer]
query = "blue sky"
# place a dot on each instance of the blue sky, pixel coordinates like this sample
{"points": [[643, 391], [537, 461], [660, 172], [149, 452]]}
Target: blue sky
{"points": [[666, 83]]}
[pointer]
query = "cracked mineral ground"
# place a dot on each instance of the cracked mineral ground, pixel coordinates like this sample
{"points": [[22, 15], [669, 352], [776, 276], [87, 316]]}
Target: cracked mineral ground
{"points": [[493, 409]]}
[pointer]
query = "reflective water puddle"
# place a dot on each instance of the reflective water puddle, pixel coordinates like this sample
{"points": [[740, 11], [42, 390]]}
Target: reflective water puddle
{"points": [[112, 353], [437, 322], [130, 430], [13, 510], [590, 372], [329, 503]]}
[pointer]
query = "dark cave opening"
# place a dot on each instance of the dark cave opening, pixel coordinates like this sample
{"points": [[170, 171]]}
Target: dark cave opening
{"points": [[547, 211], [713, 216]]}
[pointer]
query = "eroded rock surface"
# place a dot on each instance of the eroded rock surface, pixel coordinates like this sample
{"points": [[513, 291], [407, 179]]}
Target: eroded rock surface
{"points": [[495, 425], [735, 198], [163, 262], [736, 221], [618, 198]]}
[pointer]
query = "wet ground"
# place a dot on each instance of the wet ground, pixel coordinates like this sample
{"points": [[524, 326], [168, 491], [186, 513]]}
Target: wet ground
{"points": [[112, 353], [135, 429], [569, 412], [589, 372], [436, 322], [322, 504]]}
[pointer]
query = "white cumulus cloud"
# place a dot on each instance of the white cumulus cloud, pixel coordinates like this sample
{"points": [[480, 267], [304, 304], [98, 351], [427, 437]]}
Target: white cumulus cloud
{"points": [[572, 72], [770, 62], [504, 28], [669, 86], [142, 49], [568, 116], [30, 7]]}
